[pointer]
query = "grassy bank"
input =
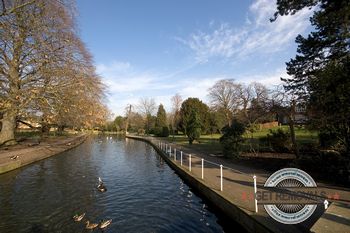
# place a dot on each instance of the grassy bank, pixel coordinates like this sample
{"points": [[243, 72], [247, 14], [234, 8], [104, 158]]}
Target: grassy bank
{"points": [[210, 143]]}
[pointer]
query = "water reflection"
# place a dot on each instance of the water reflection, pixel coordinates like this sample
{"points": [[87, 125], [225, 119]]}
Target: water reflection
{"points": [[144, 194]]}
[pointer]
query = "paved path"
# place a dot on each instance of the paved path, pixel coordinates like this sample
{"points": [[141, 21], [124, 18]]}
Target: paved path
{"points": [[238, 188]]}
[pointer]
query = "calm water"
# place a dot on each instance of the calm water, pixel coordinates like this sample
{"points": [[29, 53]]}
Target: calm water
{"points": [[144, 194]]}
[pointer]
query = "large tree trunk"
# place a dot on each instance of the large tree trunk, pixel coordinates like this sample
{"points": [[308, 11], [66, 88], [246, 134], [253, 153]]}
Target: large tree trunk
{"points": [[60, 129], [7, 133], [292, 130], [228, 118]]}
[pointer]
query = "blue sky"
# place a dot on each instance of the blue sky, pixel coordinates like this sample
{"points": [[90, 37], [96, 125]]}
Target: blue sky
{"points": [[157, 48]]}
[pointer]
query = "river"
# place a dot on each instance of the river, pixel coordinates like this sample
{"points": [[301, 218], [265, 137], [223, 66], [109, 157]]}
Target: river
{"points": [[144, 194]]}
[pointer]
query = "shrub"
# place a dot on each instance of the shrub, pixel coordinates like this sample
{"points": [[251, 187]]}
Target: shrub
{"points": [[279, 140], [232, 139], [157, 131], [161, 131], [328, 165], [328, 138], [165, 131]]}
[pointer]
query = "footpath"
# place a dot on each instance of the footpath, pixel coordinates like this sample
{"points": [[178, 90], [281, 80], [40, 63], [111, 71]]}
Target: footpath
{"points": [[20, 155], [234, 192]]}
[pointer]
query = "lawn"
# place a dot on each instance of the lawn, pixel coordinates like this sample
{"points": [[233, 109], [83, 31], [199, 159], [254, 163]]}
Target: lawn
{"points": [[210, 143]]}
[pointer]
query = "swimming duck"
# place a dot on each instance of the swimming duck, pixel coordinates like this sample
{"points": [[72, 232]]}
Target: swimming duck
{"points": [[101, 187], [90, 226], [104, 224], [14, 157], [78, 218]]}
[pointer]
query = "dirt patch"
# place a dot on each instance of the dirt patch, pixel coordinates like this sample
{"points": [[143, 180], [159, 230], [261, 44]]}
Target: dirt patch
{"points": [[30, 151]]}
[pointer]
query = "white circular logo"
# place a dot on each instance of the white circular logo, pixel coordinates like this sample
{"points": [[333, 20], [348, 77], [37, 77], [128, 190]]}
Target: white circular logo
{"points": [[290, 213]]}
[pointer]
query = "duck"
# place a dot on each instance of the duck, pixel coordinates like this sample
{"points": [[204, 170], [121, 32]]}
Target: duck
{"points": [[105, 223], [90, 226], [78, 218], [101, 187], [14, 157]]}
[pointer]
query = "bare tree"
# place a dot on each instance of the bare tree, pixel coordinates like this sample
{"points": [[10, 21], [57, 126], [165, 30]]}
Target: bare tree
{"points": [[224, 96], [254, 98], [8, 7], [176, 102], [147, 107], [45, 70], [284, 103]]}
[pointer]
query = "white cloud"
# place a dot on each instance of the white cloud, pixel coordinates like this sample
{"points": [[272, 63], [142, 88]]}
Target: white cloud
{"points": [[114, 66], [257, 35], [269, 79], [128, 87], [198, 88]]}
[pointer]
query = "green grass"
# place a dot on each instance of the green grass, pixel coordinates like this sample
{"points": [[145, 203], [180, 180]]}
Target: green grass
{"points": [[210, 143], [207, 143], [299, 132]]}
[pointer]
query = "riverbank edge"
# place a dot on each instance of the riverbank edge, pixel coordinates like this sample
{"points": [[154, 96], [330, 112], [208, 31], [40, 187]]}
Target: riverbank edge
{"points": [[42, 152], [239, 215]]}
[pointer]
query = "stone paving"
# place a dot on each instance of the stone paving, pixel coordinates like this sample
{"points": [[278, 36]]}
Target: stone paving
{"points": [[238, 187]]}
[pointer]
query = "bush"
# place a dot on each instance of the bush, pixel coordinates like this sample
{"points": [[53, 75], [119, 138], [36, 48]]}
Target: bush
{"points": [[279, 140], [165, 131], [328, 138], [232, 139], [141, 132], [161, 131], [157, 131], [327, 165]]}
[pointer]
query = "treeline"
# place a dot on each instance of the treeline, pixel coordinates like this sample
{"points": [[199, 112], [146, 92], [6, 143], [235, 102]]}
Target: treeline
{"points": [[47, 75], [228, 100]]}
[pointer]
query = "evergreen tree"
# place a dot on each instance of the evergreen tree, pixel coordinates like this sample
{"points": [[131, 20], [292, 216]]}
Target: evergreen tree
{"points": [[161, 117], [193, 128], [161, 127], [320, 70], [202, 110]]}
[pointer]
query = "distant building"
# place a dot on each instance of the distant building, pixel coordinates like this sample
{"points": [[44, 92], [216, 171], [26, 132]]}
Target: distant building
{"points": [[300, 116]]}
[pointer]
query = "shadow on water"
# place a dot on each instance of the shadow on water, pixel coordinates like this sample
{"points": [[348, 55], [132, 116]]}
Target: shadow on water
{"points": [[37, 228]]}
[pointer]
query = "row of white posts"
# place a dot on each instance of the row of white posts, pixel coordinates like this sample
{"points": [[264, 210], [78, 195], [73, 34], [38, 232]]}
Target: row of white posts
{"points": [[163, 146]]}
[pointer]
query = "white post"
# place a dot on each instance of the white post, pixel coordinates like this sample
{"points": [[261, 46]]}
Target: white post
{"points": [[166, 148], [221, 188], [202, 169], [325, 204], [255, 191], [189, 165], [181, 157], [170, 151], [174, 154]]}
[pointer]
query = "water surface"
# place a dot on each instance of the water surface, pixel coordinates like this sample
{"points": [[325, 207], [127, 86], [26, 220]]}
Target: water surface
{"points": [[144, 194]]}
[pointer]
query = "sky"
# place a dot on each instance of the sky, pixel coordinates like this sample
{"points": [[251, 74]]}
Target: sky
{"points": [[157, 48]]}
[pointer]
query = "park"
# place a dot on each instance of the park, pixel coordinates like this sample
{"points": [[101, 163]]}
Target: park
{"points": [[169, 117]]}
